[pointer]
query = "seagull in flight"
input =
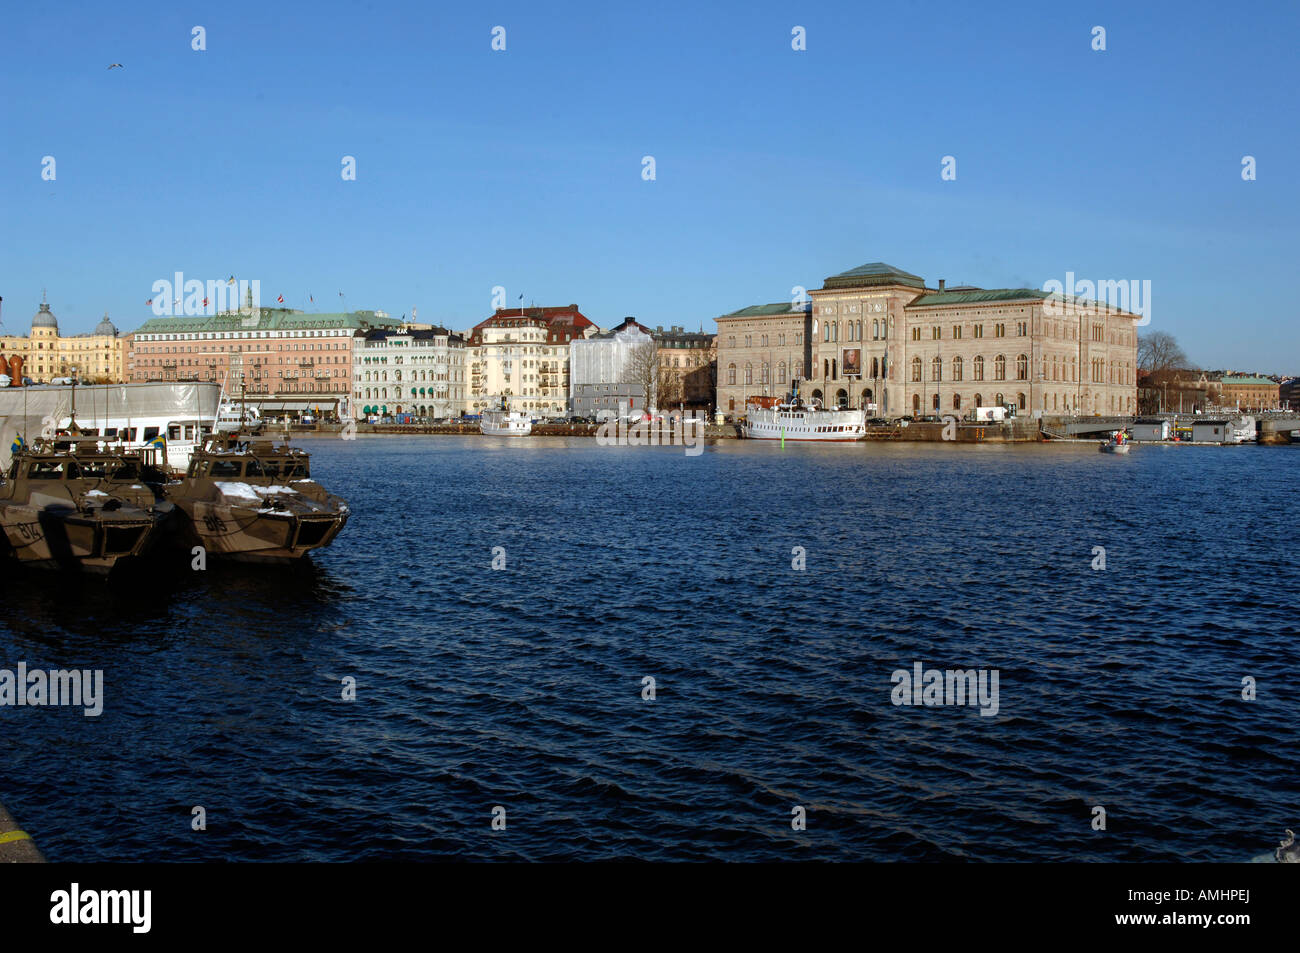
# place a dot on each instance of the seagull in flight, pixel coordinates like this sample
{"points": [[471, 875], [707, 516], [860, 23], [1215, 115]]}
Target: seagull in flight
{"points": [[116, 66]]}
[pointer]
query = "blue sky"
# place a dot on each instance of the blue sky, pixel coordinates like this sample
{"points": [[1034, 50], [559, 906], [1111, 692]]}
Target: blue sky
{"points": [[774, 168]]}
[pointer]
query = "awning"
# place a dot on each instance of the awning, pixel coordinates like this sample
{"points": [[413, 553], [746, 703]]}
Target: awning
{"points": [[305, 404]]}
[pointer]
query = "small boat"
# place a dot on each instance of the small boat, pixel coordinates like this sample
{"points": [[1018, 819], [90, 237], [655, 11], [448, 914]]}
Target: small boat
{"points": [[77, 503], [253, 500], [793, 419], [1117, 443], [503, 423]]}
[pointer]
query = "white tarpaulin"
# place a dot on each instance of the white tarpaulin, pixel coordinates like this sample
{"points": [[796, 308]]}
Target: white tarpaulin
{"points": [[24, 410]]}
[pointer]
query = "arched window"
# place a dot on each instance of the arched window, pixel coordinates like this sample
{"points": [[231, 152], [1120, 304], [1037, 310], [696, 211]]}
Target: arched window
{"points": [[916, 369], [780, 372], [826, 331], [936, 369], [956, 401], [859, 330], [826, 368], [935, 402], [875, 367], [916, 404], [841, 398], [763, 372], [798, 369], [956, 368], [979, 400], [1022, 368], [979, 368], [1000, 402], [1020, 401], [999, 369], [731, 374], [749, 373], [875, 329]]}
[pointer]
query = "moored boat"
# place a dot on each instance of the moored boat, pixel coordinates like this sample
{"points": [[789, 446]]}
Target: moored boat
{"points": [[77, 503], [252, 499], [501, 423], [795, 419]]}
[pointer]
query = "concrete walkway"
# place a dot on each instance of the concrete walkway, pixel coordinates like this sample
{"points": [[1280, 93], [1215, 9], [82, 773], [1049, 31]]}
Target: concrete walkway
{"points": [[16, 847]]}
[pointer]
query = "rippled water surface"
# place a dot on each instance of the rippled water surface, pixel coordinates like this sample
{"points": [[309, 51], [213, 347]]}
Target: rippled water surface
{"points": [[522, 687]]}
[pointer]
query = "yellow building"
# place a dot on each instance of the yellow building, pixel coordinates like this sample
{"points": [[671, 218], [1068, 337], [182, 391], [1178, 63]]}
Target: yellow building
{"points": [[96, 356]]}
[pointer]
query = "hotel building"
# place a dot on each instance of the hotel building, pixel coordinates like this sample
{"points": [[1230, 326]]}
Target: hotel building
{"points": [[290, 361]]}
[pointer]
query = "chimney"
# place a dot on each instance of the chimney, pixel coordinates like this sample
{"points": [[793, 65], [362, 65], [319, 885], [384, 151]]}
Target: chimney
{"points": [[941, 286]]}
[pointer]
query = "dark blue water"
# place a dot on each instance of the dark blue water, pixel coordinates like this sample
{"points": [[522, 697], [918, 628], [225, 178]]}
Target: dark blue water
{"points": [[522, 687]]}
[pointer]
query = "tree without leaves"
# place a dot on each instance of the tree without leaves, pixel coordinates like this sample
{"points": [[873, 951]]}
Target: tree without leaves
{"points": [[643, 371], [1160, 353]]}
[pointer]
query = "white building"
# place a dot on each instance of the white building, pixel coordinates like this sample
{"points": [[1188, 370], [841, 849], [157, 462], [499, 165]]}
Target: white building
{"points": [[601, 377], [520, 357], [421, 372]]}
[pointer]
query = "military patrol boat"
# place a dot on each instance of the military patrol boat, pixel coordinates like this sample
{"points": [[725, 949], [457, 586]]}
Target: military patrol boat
{"points": [[252, 499], [75, 502]]}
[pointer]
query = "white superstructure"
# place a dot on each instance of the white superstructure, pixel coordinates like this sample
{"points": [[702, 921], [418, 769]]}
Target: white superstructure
{"points": [[499, 423]]}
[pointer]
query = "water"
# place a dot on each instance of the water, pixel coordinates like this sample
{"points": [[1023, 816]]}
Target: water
{"points": [[522, 687]]}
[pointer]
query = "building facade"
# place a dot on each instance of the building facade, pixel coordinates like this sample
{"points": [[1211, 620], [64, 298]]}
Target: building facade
{"points": [[96, 357], [410, 371], [520, 357], [880, 339], [687, 368], [288, 361], [1249, 392], [760, 350], [601, 376]]}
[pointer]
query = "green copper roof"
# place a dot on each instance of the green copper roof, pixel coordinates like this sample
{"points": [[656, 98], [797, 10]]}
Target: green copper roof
{"points": [[874, 273], [270, 319], [938, 299], [1248, 381], [761, 310], [976, 297]]}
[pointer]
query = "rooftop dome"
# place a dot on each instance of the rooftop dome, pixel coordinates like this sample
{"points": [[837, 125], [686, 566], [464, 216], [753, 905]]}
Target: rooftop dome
{"points": [[44, 318], [105, 326]]}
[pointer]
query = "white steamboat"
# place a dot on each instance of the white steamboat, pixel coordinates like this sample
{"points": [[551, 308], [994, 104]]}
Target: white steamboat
{"points": [[500, 423], [796, 420]]}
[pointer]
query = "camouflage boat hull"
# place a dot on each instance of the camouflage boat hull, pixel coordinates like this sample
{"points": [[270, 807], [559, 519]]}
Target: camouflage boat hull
{"points": [[66, 538], [257, 534]]}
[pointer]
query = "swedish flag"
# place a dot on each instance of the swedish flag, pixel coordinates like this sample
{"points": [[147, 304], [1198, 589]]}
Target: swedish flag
{"points": [[159, 443], [18, 443]]}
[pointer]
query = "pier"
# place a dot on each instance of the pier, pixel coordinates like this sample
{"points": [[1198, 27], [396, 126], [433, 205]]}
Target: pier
{"points": [[16, 845]]}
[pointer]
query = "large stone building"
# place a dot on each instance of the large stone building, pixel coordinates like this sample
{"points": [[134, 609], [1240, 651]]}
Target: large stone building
{"points": [[96, 357], [289, 361], [880, 339], [1247, 392], [760, 349], [410, 371], [520, 356]]}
